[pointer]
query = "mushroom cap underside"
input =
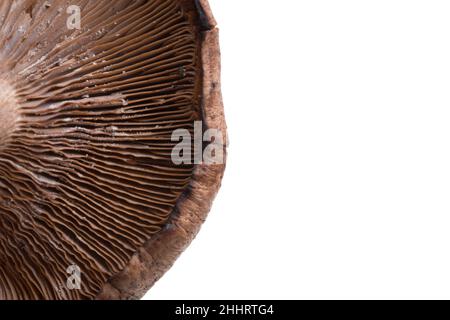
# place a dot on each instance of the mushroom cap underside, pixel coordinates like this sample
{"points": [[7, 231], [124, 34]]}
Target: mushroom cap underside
{"points": [[92, 205]]}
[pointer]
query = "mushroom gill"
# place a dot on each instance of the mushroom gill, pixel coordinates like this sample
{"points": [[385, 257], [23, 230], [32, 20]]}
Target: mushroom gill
{"points": [[86, 118]]}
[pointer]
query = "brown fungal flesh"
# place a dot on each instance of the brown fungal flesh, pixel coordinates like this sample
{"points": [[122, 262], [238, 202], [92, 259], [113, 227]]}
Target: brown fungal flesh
{"points": [[86, 117]]}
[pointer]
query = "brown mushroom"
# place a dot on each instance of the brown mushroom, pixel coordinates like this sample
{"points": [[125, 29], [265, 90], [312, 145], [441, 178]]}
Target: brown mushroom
{"points": [[88, 185]]}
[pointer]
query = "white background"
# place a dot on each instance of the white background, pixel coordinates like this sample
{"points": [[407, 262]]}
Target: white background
{"points": [[338, 180]]}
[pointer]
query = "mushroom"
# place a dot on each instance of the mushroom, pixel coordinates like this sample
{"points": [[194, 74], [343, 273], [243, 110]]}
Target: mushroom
{"points": [[92, 203]]}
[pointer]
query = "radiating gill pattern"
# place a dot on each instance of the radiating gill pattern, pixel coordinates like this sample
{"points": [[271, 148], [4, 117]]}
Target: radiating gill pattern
{"points": [[86, 176]]}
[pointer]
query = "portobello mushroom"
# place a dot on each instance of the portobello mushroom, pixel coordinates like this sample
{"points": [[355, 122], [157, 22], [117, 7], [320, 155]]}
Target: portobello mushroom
{"points": [[92, 203]]}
